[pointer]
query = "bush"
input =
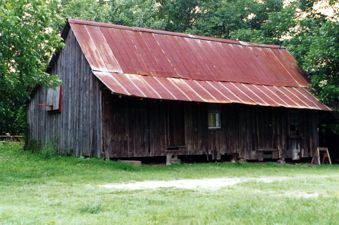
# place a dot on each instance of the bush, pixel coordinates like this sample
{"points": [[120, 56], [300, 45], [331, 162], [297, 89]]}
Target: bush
{"points": [[48, 151], [92, 208]]}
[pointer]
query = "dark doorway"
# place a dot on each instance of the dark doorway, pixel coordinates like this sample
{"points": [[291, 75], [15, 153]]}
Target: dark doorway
{"points": [[294, 135], [176, 126], [329, 137]]}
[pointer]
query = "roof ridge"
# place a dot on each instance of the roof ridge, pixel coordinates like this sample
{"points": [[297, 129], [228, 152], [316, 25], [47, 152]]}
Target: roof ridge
{"points": [[148, 30]]}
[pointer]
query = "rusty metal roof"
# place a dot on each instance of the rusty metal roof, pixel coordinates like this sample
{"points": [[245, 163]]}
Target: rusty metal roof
{"points": [[165, 65], [209, 91]]}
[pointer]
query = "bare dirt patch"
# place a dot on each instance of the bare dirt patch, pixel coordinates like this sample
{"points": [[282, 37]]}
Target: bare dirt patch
{"points": [[302, 194], [208, 184]]}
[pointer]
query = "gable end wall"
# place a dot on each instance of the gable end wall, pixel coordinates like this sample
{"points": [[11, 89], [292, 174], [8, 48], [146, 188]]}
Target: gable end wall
{"points": [[77, 129]]}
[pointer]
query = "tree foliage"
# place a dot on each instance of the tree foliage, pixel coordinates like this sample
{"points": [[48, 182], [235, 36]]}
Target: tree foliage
{"points": [[141, 13], [27, 39], [86, 9]]}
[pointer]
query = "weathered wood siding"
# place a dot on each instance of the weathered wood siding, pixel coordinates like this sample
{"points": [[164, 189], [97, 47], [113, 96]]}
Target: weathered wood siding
{"points": [[139, 128], [77, 129]]}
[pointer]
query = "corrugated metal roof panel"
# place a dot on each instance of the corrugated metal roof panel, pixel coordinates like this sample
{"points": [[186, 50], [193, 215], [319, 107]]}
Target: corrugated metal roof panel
{"points": [[165, 65], [210, 92], [141, 51]]}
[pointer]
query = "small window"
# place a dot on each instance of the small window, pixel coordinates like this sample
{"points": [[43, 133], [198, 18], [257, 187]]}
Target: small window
{"points": [[54, 99], [214, 121]]}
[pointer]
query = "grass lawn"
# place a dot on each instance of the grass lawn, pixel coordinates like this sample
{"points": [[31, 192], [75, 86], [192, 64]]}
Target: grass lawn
{"points": [[36, 189]]}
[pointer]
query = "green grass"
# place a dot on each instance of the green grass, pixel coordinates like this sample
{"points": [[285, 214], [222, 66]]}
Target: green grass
{"points": [[41, 188]]}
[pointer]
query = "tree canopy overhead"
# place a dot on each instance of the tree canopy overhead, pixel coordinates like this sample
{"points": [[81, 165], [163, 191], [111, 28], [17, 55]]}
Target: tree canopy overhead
{"points": [[29, 35], [28, 38]]}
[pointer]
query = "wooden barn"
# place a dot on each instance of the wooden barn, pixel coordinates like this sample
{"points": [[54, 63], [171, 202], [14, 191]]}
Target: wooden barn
{"points": [[132, 92]]}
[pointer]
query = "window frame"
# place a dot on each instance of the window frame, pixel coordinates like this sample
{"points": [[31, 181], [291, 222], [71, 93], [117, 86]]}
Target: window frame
{"points": [[217, 118]]}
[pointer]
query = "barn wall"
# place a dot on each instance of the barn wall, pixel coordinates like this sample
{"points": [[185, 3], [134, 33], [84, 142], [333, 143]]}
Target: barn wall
{"points": [[77, 129], [139, 128]]}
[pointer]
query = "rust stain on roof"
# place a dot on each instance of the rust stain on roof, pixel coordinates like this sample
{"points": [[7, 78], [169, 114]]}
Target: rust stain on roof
{"points": [[166, 65]]}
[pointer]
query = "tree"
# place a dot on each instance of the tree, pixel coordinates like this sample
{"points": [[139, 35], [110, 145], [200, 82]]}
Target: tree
{"points": [[179, 15], [222, 18], [28, 37], [86, 9], [140, 13], [172, 15]]}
